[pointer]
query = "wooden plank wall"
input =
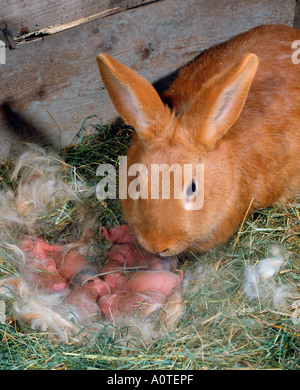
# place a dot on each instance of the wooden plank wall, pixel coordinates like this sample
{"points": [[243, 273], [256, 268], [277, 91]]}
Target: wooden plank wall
{"points": [[297, 15], [33, 15], [50, 83]]}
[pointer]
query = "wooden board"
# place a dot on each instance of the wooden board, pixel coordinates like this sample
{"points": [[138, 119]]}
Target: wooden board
{"points": [[33, 15], [54, 84], [297, 15]]}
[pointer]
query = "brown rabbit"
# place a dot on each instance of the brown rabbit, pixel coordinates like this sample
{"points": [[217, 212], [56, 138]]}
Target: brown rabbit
{"points": [[235, 109]]}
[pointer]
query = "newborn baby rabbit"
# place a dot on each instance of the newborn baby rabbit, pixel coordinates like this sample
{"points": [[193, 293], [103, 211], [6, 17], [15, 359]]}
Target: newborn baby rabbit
{"points": [[236, 110], [122, 289]]}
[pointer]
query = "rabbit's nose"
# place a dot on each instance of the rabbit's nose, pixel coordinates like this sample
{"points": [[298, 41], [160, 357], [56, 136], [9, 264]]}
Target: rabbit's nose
{"points": [[157, 244], [159, 249]]}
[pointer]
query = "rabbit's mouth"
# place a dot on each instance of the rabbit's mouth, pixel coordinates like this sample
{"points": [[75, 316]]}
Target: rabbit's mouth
{"points": [[172, 251], [162, 246]]}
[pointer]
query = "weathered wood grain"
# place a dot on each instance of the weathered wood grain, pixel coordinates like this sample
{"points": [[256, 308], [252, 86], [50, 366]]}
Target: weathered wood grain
{"points": [[33, 15], [297, 15], [54, 82]]}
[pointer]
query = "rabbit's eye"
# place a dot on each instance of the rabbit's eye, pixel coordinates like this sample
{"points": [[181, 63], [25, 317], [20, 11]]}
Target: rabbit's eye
{"points": [[191, 190]]}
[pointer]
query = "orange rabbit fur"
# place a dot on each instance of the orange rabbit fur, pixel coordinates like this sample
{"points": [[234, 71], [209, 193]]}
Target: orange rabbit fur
{"points": [[235, 109]]}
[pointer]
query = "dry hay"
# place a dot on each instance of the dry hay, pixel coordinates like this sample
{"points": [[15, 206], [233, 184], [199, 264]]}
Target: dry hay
{"points": [[242, 299]]}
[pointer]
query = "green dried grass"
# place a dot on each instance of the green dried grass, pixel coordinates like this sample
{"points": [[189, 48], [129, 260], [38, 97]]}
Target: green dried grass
{"points": [[220, 329]]}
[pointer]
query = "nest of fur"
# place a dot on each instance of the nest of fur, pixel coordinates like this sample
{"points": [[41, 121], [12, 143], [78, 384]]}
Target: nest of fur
{"points": [[239, 305], [45, 186]]}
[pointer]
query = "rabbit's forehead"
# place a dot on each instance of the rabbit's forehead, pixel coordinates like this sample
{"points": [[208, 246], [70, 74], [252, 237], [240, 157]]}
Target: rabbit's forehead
{"points": [[171, 154]]}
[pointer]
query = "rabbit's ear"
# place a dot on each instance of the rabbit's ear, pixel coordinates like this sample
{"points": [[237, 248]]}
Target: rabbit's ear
{"points": [[133, 96], [220, 102]]}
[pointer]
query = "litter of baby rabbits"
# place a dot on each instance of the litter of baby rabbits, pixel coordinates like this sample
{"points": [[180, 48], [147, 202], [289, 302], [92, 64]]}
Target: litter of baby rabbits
{"points": [[236, 306], [59, 287]]}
